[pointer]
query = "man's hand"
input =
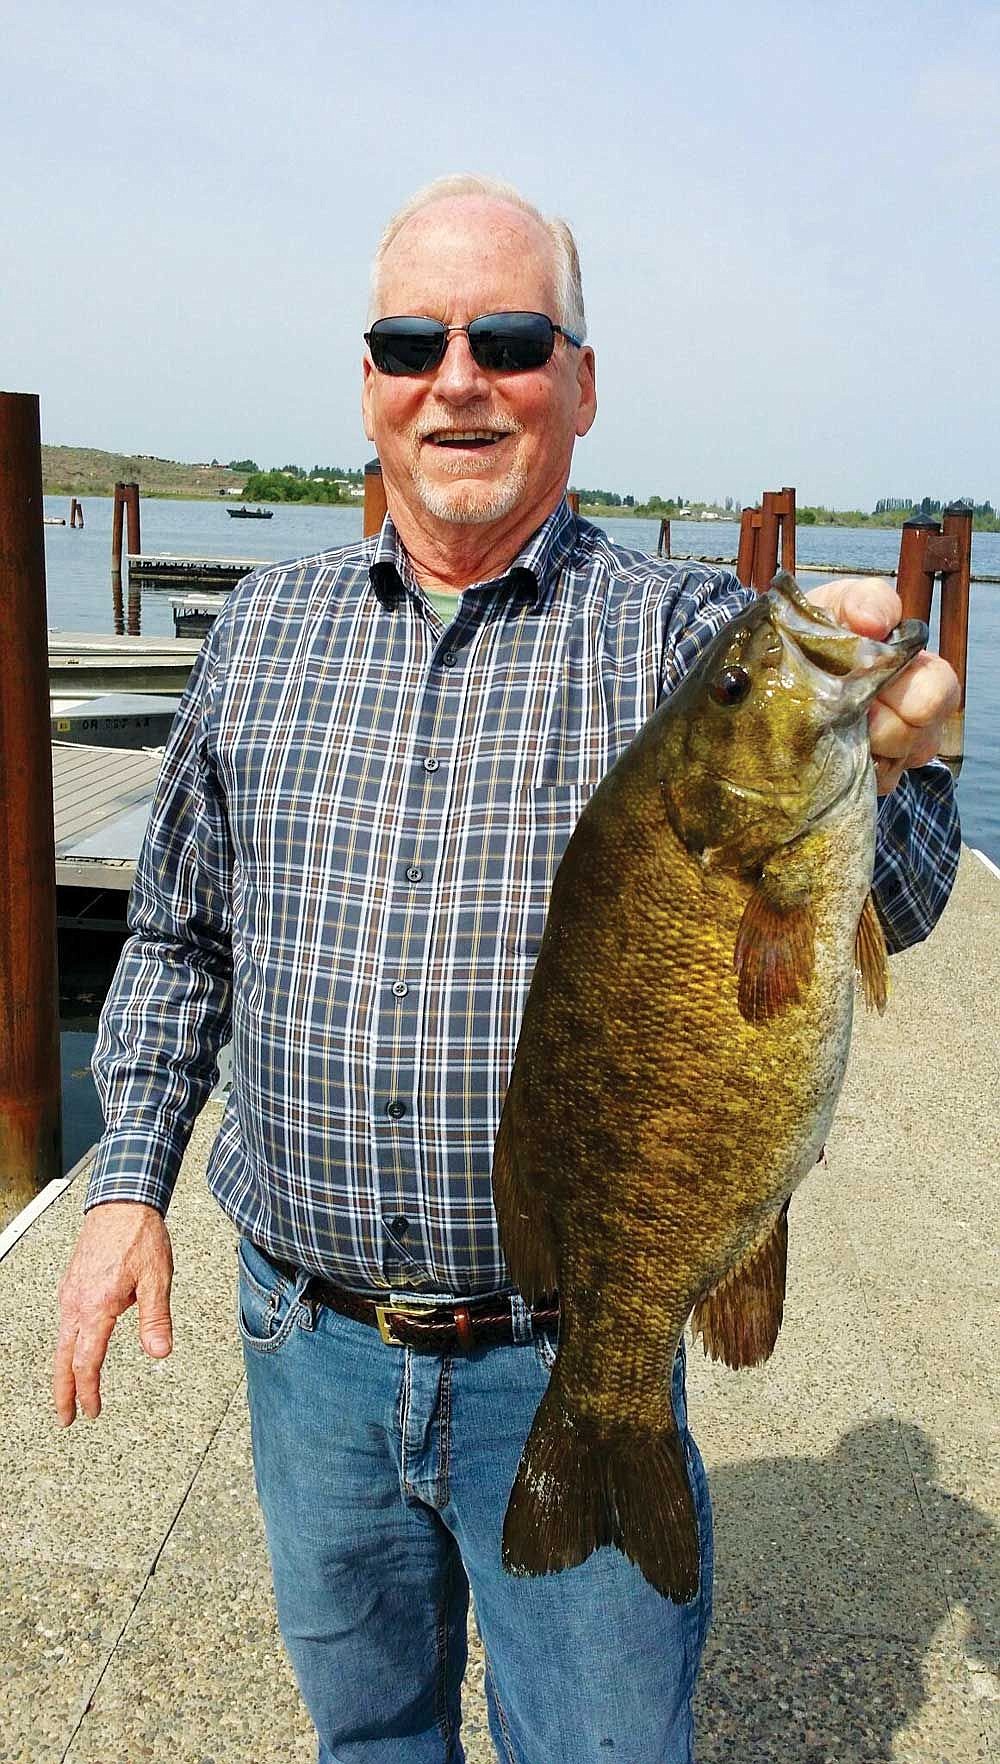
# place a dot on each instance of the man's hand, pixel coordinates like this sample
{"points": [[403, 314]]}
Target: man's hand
{"points": [[122, 1257], [907, 719]]}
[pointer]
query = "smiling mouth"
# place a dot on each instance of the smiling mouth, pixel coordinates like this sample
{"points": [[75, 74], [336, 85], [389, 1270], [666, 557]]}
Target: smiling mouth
{"points": [[468, 440]]}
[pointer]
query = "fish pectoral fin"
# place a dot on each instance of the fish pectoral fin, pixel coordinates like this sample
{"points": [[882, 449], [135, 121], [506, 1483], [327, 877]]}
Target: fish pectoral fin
{"points": [[775, 948], [872, 958], [581, 1485], [525, 1231], [739, 1319]]}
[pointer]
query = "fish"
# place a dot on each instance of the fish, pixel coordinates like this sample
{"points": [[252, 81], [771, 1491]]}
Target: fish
{"points": [[682, 1047]]}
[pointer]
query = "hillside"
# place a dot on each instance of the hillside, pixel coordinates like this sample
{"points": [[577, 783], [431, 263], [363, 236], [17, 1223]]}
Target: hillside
{"points": [[77, 471]]}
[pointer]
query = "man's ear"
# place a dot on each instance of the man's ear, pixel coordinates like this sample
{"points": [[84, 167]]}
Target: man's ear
{"points": [[587, 387]]}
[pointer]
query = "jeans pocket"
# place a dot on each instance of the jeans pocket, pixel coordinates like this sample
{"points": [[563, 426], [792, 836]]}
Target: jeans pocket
{"points": [[268, 1307]]}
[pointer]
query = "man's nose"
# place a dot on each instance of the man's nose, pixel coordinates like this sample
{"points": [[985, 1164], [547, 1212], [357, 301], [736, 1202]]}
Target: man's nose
{"points": [[459, 375]]}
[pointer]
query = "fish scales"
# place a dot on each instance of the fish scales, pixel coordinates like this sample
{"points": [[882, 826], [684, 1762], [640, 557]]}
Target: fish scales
{"points": [[682, 1048]]}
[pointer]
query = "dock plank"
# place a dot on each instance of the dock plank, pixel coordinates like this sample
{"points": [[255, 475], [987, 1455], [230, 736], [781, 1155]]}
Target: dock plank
{"points": [[101, 802]]}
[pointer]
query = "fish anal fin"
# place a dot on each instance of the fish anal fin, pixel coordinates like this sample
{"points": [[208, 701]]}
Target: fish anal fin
{"points": [[872, 958], [525, 1231], [580, 1485], [774, 953], [739, 1319]]}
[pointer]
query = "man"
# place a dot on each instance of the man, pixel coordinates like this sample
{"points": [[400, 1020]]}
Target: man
{"points": [[379, 758]]}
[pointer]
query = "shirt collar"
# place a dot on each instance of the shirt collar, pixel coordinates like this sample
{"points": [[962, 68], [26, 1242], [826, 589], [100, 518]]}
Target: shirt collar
{"points": [[533, 571]]}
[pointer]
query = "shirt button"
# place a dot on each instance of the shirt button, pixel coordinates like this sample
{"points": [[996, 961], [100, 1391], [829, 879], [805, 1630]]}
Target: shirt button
{"points": [[414, 873], [399, 989], [395, 1109], [449, 658], [431, 765], [400, 1225]]}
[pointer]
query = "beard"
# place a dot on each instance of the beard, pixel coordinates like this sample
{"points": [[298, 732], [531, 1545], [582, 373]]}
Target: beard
{"points": [[471, 503]]}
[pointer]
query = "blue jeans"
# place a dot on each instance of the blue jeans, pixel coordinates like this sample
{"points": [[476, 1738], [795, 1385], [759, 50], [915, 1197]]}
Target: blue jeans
{"points": [[383, 1475]]}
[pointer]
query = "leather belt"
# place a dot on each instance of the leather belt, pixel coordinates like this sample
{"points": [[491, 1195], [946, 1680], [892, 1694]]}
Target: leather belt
{"points": [[438, 1328]]}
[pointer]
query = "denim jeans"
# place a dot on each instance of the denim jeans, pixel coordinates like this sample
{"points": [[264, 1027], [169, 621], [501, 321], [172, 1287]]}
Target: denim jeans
{"points": [[383, 1474]]}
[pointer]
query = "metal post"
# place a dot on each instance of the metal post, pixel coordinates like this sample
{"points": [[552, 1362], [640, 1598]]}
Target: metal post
{"points": [[747, 553], [573, 498], [132, 515], [117, 523], [30, 1120], [663, 543], [374, 498], [788, 528], [766, 566], [914, 582], [953, 640]]}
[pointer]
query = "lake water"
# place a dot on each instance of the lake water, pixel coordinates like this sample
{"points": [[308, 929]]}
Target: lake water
{"points": [[79, 592]]}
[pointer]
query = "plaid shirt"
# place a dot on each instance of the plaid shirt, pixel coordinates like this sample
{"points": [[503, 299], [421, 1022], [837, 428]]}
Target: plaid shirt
{"points": [[347, 868]]}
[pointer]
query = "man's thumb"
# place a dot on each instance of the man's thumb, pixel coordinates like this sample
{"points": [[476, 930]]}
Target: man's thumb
{"points": [[155, 1330]]}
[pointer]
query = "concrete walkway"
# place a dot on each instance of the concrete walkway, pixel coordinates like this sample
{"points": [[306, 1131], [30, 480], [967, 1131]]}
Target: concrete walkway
{"points": [[854, 1478]]}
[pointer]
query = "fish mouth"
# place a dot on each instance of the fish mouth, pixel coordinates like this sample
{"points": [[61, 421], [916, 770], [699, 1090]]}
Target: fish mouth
{"points": [[847, 670]]}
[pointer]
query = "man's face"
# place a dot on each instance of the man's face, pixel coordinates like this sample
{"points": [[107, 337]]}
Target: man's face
{"points": [[461, 444]]}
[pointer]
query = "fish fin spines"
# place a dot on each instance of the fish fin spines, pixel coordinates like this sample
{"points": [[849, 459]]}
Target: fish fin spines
{"points": [[739, 1319], [525, 1232], [580, 1486], [774, 955], [872, 958]]}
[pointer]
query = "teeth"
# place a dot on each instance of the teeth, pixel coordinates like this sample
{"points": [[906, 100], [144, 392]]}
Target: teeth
{"points": [[466, 435]]}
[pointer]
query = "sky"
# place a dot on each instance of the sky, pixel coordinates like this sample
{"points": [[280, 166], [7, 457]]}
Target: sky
{"points": [[788, 220]]}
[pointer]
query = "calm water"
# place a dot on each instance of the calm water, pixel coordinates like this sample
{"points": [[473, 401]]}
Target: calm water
{"points": [[79, 592]]}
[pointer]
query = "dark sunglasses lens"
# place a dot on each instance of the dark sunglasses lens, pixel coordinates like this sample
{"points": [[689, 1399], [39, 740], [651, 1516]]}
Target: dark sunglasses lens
{"points": [[512, 342], [406, 346]]}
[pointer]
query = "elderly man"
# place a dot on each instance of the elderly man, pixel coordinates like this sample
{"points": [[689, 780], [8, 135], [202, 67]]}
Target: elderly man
{"points": [[379, 758]]}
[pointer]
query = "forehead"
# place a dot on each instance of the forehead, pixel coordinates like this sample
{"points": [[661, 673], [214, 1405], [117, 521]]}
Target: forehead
{"points": [[470, 254]]}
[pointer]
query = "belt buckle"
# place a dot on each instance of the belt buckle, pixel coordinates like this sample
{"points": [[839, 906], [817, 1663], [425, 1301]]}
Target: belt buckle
{"points": [[384, 1312]]}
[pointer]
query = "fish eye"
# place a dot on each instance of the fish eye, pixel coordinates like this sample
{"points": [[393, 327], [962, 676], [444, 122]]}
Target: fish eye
{"points": [[731, 686]]}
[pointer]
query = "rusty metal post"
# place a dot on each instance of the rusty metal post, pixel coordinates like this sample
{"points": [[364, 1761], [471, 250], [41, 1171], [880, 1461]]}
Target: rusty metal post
{"points": [[573, 498], [953, 640], [30, 1117], [746, 555], [788, 528], [117, 525], [914, 581], [766, 563], [132, 516], [663, 543], [374, 498]]}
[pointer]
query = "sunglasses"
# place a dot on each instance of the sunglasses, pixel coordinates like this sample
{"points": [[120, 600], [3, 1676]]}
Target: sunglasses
{"points": [[504, 342]]}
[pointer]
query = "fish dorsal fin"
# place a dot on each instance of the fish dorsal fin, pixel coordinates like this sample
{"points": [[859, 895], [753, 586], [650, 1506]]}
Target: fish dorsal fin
{"points": [[775, 951], [872, 958], [739, 1319]]}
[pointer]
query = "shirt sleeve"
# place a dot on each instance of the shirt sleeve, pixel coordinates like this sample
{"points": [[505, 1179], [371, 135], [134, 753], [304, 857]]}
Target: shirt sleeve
{"points": [[918, 833], [167, 1013]]}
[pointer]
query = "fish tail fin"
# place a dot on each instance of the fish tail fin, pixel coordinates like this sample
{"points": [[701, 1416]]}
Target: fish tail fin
{"points": [[580, 1485]]}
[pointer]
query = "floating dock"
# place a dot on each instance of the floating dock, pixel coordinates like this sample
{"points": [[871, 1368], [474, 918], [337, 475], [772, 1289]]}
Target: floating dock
{"points": [[102, 797], [85, 663], [193, 572]]}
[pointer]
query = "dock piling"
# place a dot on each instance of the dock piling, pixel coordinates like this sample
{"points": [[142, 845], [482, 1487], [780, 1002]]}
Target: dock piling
{"points": [[374, 498], [765, 531], [30, 1109]]}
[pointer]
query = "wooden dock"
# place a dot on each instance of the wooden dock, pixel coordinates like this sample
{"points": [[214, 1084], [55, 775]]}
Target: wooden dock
{"points": [[102, 797], [82, 662], [189, 572]]}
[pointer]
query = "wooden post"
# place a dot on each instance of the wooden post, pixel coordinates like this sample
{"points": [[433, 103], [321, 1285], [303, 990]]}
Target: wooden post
{"points": [[374, 498], [76, 513], [30, 1118], [663, 543]]}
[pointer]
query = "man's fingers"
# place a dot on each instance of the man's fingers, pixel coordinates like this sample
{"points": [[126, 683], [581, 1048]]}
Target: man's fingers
{"points": [[866, 604], [89, 1352], [63, 1379], [155, 1329]]}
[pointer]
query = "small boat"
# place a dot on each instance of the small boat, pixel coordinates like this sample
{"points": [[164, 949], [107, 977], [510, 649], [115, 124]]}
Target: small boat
{"points": [[251, 514]]}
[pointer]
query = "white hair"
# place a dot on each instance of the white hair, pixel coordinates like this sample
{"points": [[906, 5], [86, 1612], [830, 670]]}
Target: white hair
{"points": [[569, 285]]}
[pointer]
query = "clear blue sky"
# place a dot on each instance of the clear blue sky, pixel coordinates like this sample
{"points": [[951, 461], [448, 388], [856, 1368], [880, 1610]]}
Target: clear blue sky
{"points": [[789, 221]]}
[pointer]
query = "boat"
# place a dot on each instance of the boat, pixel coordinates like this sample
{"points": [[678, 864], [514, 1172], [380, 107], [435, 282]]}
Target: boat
{"points": [[251, 514]]}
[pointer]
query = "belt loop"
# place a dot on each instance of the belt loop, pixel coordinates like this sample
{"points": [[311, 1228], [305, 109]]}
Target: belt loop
{"points": [[520, 1320]]}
